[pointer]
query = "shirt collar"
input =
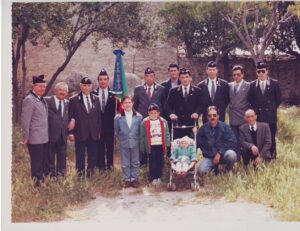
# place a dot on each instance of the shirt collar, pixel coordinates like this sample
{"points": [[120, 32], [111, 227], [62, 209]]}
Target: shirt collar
{"points": [[240, 83], [105, 89], [128, 113], [254, 126], [187, 87]]}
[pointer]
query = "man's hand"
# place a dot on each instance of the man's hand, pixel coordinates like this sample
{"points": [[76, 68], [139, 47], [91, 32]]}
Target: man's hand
{"points": [[173, 117], [194, 130], [71, 138], [216, 159], [254, 150], [194, 116], [25, 141], [257, 161], [71, 125]]}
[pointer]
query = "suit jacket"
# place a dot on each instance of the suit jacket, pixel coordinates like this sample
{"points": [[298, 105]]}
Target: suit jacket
{"points": [[58, 126], [34, 119], [86, 124], [176, 104], [142, 102], [264, 140], [265, 105], [221, 99], [128, 137], [168, 85], [107, 117], [238, 104]]}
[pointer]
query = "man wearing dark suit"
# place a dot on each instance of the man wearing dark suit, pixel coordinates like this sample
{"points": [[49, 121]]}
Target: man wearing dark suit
{"points": [[265, 98], [85, 117], [255, 138], [173, 81], [214, 92], [183, 104], [34, 123], [148, 93], [105, 157], [239, 103], [144, 95], [58, 117]]}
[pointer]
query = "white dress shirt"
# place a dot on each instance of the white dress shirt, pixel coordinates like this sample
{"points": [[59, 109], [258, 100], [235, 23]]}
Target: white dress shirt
{"points": [[128, 116], [263, 84], [85, 101], [187, 89], [254, 127], [174, 83], [100, 95], [210, 85], [57, 104], [151, 89], [238, 85]]}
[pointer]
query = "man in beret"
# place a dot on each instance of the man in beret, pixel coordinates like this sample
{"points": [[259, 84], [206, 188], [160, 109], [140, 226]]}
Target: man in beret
{"points": [[144, 95], [105, 160], [58, 116], [214, 92], [265, 98], [34, 123], [184, 104], [85, 113]]}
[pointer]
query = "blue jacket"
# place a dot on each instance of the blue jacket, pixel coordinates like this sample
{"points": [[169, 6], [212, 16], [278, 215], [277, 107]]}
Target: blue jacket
{"points": [[128, 137], [215, 140]]}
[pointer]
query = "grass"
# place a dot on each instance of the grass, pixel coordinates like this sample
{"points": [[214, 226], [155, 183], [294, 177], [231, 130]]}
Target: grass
{"points": [[276, 185]]}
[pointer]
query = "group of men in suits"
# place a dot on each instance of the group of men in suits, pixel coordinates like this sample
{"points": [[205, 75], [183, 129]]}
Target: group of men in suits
{"points": [[88, 118]]}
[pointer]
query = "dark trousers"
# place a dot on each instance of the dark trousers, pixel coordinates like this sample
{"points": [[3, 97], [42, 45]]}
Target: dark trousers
{"points": [[105, 157], [247, 156], [273, 128], [91, 146], [37, 154], [56, 158], [236, 131], [156, 162]]}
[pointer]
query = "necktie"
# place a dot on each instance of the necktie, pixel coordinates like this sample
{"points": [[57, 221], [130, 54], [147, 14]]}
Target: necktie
{"points": [[60, 109], [235, 89], [185, 93], [263, 87], [103, 101], [88, 104], [252, 128], [149, 93], [213, 90]]}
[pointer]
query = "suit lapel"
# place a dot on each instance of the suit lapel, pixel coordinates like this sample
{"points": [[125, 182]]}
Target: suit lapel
{"points": [[81, 102]]}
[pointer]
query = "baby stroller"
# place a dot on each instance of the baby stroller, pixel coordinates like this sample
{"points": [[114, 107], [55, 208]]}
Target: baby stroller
{"points": [[189, 176]]}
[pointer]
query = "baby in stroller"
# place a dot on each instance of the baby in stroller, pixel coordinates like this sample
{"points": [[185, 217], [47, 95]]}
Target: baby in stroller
{"points": [[183, 156]]}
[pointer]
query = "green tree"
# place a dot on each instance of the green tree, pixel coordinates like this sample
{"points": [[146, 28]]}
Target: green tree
{"points": [[200, 27]]}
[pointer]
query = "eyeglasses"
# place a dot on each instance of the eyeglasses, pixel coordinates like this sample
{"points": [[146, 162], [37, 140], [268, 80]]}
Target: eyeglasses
{"points": [[237, 75], [212, 115], [261, 71]]}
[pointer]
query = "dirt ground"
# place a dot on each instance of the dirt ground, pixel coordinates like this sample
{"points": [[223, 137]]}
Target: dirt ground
{"points": [[146, 209]]}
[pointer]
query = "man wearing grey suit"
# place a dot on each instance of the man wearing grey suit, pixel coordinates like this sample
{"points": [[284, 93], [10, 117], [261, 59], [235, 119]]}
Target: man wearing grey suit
{"points": [[238, 101], [255, 138], [34, 123], [58, 130], [144, 95]]}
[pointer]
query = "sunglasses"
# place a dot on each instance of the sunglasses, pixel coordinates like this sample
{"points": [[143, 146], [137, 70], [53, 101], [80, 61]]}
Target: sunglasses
{"points": [[237, 75], [261, 71], [212, 115]]}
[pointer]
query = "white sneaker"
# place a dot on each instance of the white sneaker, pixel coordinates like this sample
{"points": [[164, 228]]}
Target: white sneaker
{"points": [[154, 182]]}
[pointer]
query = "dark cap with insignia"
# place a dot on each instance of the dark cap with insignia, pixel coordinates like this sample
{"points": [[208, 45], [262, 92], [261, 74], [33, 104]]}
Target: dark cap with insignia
{"points": [[103, 72], [86, 80], [38, 79], [211, 64], [261, 65], [184, 71], [148, 71], [173, 65], [153, 107]]}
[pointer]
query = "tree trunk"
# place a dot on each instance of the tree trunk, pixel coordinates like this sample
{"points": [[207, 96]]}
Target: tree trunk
{"points": [[24, 69]]}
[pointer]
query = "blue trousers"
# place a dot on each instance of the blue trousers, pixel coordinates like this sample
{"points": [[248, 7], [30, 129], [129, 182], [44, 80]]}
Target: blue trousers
{"points": [[228, 160], [130, 160]]}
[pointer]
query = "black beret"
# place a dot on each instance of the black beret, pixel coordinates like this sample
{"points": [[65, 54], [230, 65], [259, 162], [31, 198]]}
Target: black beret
{"points": [[38, 79], [86, 80], [261, 65], [184, 71], [172, 65], [103, 72], [211, 64], [148, 71], [153, 106]]}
